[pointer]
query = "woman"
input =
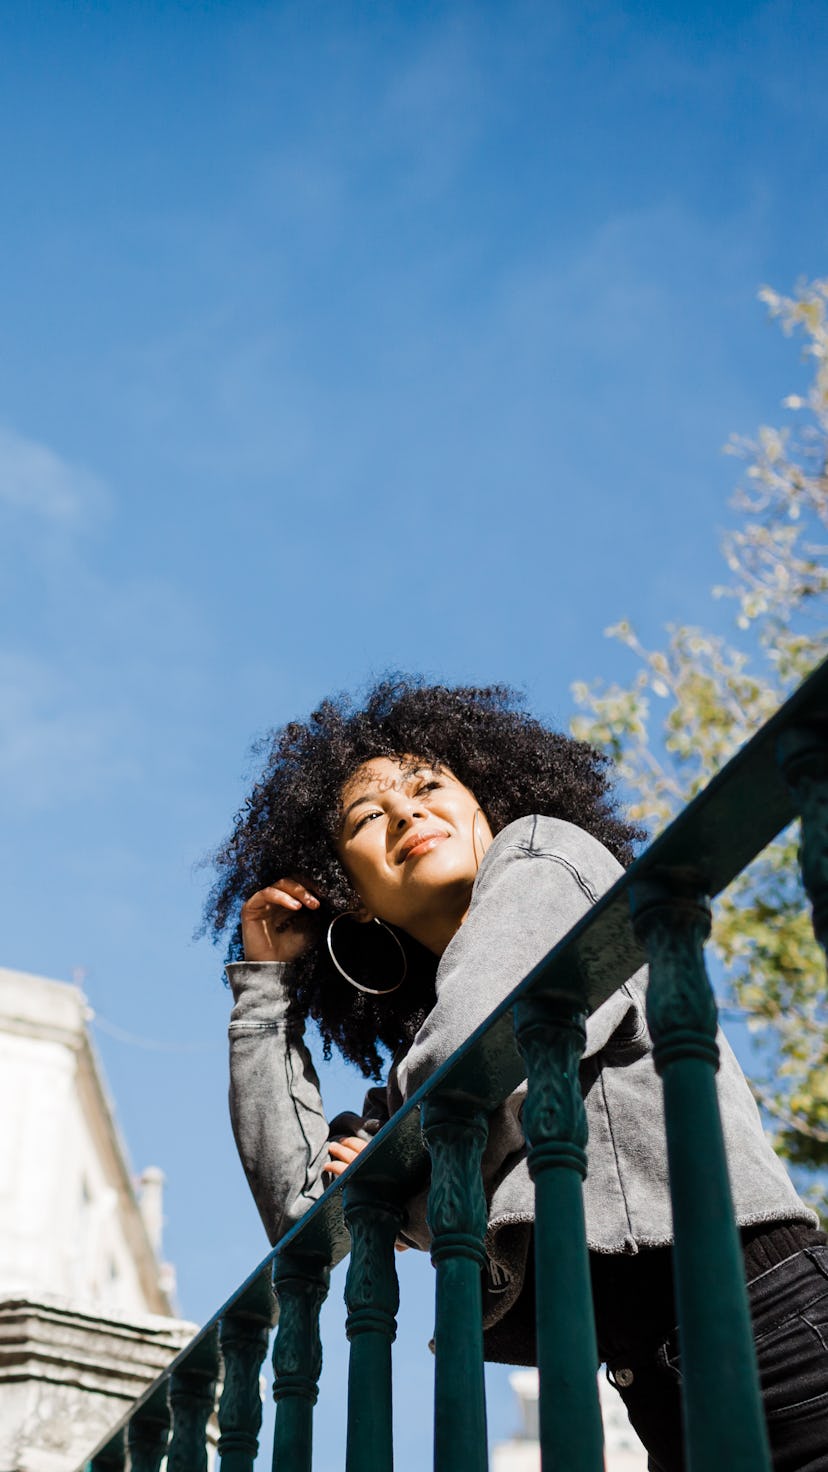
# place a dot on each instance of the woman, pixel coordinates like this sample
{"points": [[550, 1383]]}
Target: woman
{"points": [[397, 870]]}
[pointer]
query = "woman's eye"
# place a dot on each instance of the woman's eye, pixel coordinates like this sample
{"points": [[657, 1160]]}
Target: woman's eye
{"points": [[365, 818], [428, 786]]}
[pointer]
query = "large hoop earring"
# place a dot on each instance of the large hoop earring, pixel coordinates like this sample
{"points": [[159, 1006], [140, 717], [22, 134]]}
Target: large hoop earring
{"points": [[477, 838], [371, 991]]}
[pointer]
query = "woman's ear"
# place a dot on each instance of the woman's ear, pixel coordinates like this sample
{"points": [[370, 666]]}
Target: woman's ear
{"points": [[363, 916]]}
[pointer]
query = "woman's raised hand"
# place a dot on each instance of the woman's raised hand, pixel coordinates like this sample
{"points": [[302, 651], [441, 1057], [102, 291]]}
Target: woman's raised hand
{"points": [[278, 921]]}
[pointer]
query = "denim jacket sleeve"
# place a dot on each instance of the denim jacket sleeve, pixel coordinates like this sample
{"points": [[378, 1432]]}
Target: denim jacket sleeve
{"points": [[537, 879], [276, 1111]]}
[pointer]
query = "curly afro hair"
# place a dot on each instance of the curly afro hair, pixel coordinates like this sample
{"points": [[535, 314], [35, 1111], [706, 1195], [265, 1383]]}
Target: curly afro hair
{"points": [[511, 762]]}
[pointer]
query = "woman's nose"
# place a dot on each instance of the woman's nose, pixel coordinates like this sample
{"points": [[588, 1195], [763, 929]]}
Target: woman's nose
{"points": [[406, 810]]}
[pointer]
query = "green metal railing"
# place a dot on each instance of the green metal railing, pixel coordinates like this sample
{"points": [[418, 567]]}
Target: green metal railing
{"points": [[658, 912]]}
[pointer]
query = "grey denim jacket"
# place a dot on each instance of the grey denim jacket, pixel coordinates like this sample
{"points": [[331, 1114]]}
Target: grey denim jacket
{"points": [[537, 879]]}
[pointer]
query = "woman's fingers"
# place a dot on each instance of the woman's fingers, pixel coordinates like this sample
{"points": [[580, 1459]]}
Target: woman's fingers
{"points": [[274, 894], [295, 889], [347, 1149], [342, 1153], [288, 893], [276, 921]]}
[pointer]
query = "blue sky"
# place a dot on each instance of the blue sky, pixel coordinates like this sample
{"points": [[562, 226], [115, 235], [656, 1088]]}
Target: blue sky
{"points": [[337, 338]]}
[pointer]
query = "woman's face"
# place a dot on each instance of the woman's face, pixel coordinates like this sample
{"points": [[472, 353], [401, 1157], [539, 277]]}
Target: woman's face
{"points": [[411, 842]]}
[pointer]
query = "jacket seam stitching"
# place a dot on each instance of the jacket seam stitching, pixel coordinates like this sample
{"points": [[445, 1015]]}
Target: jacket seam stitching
{"points": [[244, 1026], [618, 1172], [635, 1038], [534, 853], [305, 1190]]}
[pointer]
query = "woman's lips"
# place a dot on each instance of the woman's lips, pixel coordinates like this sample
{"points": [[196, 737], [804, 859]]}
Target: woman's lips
{"points": [[421, 845]]}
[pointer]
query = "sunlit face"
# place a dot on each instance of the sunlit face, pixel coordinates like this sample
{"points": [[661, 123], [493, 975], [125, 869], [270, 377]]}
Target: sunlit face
{"points": [[411, 842]]}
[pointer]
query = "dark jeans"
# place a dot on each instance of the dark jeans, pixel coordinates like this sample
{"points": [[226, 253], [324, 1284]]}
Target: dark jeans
{"points": [[789, 1308]]}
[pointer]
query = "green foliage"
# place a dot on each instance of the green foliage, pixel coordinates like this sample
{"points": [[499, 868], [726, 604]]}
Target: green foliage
{"points": [[693, 703]]}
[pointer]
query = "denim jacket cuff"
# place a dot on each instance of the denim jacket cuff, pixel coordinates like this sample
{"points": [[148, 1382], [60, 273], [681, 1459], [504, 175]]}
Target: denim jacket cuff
{"points": [[258, 989]]}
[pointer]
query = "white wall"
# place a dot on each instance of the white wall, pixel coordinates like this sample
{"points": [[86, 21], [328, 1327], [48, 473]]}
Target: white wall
{"points": [[70, 1223], [85, 1322]]}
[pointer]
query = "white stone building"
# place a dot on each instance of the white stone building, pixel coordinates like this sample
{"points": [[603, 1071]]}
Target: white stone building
{"points": [[623, 1451], [86, 1313]]}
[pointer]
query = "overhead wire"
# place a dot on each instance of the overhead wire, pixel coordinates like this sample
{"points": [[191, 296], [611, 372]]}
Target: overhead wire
{"points": [[155, 1045]]}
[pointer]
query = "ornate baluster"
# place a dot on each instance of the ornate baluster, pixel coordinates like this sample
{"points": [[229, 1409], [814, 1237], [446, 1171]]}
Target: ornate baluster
{"points": [[372, 1295], [551, 1037], [192, 1399], [113, 1456], [803, 755], [243, 1335], [148, 1433], [456, 1134], [724, 1422], [301, 1287]]}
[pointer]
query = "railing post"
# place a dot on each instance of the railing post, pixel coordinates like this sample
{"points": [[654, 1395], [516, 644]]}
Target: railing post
{"points": [[148, 1433], [192, 1400], [301, 1287], [724, 1422], [113, 1456], [372, 1295], [455, 1133], [551, 1037], [243, 1336], [803, 756]]}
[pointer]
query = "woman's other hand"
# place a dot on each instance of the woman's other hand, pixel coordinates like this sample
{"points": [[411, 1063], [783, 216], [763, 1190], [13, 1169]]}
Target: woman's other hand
{"points": [[342, 1153], [278, 921]]}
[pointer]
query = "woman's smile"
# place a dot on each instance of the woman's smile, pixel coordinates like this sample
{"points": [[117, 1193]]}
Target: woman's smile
{"points": [[420, 843], [411, 841]]}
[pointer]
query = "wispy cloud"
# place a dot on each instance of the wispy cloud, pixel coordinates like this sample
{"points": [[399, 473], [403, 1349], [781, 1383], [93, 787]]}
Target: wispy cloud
{"points": [[54, 746], [36, 480]]}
